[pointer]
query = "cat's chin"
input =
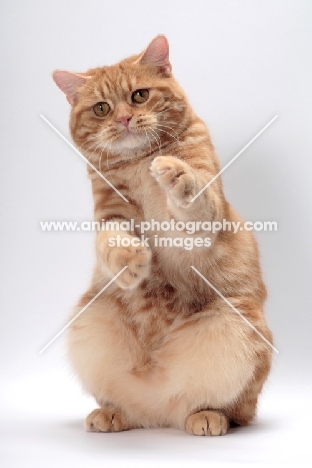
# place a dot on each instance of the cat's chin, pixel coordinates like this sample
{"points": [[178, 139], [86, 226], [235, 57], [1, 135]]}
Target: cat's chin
{"points": [[129, 142]]}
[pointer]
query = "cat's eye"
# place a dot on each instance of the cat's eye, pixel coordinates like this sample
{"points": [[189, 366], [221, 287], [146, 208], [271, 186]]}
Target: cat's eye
{"points": [[101, 109], [139, 96]]}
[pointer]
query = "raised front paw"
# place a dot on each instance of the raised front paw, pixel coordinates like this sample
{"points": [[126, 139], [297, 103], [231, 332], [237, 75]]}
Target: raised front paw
{"points": [[106, 420], [207, 423], [136, 256], [176, 178]]}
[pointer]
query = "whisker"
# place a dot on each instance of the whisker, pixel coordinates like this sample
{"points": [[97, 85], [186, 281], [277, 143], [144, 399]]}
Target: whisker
{"points": [[100, 158], [157, 138], [96, 148], [154, 132], [164, 110], [175, 124], [148, 140], [107, 160], [167, 126], [164, 131], [150, 110], [89, 148]]}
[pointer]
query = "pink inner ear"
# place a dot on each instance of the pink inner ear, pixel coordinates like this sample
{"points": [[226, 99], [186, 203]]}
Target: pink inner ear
{"points": [[68, 82], [157, 54]]}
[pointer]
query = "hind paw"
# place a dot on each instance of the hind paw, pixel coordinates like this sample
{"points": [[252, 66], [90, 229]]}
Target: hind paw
{"points": [[207, 423]]}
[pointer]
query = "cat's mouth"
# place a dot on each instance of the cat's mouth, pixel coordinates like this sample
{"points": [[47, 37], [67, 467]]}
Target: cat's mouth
{"points": [[128, 131]]}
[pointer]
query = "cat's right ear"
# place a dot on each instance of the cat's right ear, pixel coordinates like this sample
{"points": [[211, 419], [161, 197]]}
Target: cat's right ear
{"points": [[157, 55], [69, 83]]}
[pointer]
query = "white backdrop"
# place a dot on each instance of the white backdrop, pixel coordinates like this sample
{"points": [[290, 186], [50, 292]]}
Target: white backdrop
{"points": [[240, 62]]}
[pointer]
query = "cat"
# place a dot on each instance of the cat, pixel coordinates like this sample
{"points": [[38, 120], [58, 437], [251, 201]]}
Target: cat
{"points": [[159, 347]]}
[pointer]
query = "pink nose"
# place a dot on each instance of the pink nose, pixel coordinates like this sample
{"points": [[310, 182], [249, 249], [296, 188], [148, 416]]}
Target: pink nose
{"points": [[124, 119]]}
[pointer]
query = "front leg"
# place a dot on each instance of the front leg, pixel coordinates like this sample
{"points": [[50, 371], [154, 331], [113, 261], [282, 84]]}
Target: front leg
{"points": [[183, 179], [117, 249], [177, 178]]}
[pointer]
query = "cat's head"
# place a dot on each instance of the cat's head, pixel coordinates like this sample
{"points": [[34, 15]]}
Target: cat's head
{"points": [[126, 109]]}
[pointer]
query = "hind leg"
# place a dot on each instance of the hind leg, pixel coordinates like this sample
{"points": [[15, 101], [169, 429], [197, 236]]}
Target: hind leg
{"points": [[242, 412], [205, 423], [216, 365]]}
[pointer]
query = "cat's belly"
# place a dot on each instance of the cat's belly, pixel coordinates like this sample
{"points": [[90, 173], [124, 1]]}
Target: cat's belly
{"points": [[204, 363]]}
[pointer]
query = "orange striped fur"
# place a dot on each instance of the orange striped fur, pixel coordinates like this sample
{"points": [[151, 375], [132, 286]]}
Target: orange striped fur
{"points": [[159, 347]]}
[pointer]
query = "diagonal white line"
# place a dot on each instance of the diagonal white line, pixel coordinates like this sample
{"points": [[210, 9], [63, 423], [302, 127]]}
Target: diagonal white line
{"points": [[82, 156], [82, 310], [235, 157], [234, 308]]}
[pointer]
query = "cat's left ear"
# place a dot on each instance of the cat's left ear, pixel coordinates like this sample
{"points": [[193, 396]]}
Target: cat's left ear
{"points": [[69, 83], [157, 54]]}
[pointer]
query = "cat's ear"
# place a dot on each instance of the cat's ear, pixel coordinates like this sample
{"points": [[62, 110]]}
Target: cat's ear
{"points": [[157, 54], [69, 82]]}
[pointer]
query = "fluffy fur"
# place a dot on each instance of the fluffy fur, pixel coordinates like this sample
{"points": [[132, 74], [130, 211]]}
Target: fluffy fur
{"points": [[159, 347]]}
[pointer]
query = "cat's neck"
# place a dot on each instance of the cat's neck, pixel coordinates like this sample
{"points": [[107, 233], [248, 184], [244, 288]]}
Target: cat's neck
{"points": [[132, 157]]}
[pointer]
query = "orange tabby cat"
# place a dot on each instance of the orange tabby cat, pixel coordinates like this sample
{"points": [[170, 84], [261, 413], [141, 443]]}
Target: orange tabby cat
{"points": [[159, 347]]}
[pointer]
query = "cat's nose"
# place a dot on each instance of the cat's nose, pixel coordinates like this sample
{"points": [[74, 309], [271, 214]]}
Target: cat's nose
{"points": [[124, 119]]}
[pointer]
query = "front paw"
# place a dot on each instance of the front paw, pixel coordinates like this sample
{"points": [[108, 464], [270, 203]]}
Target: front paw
{"points": [[176, 178], [136, 257]]}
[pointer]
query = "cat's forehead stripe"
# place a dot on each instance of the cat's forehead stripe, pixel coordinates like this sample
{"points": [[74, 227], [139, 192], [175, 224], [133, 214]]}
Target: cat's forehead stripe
{"points": [[116, 83]]}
